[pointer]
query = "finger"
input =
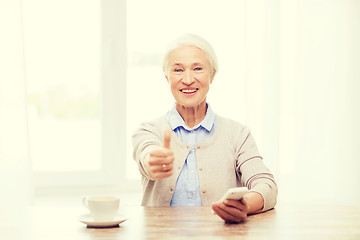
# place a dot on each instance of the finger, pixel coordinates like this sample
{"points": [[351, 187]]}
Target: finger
{"points": [[161, 168], [242, 204], [167, 138], [161, 152], [232, 212], [161, 175], [215, 208], [224, 215], [155, 160], [236, 212], [222, 211]]}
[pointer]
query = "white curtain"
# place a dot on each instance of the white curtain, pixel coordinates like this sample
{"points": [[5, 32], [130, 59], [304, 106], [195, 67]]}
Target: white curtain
{"points": [[14, 153], [320, 104], [302, 77]]}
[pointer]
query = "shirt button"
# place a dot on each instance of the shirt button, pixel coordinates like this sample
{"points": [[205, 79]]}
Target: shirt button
{"points": [[204, 191], [200, 169], [191, 194]]}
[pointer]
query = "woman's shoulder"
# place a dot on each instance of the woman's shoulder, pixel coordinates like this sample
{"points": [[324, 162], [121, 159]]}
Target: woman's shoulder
{"points": [[230, 124], [154, 125], [150, 129], [155, 122], [232, 129]]}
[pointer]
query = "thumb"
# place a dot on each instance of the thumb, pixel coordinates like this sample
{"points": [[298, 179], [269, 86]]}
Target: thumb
{"points": [[167, 138]]}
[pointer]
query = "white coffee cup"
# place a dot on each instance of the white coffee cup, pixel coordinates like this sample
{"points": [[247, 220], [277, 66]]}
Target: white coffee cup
{"points": [[102, 208]]}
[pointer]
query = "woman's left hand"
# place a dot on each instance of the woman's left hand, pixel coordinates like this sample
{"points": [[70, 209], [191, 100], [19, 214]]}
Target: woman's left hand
{"points": [[236, 211], [232, 211]]}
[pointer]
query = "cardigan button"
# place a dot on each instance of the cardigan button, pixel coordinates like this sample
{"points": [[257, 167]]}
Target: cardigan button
{"points": [[200, 169]]}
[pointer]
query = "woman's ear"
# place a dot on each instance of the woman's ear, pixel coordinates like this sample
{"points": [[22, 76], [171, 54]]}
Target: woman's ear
{"points": [[212, 76], [165, 74], [167, 79]]}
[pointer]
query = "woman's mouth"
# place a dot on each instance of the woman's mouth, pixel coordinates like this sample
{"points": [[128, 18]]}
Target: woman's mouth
{"points": [[189, 90]]}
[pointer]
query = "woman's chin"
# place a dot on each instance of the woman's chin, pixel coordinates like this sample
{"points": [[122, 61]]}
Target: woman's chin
{"points": [[187, 104]]}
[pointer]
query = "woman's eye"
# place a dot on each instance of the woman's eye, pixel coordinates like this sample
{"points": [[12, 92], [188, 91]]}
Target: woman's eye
{"points": [[198, 69], [177, 70]]}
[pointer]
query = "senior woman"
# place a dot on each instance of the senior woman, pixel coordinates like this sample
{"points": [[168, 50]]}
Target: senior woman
{"points": [[191, 156]]}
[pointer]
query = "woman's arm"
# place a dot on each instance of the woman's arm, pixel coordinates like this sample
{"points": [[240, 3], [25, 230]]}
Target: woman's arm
{"points": [[253, 173], [152, 151]]}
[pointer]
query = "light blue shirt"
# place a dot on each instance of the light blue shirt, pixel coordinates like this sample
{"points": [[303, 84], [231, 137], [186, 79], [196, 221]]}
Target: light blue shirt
{"points": [[187, 189]]}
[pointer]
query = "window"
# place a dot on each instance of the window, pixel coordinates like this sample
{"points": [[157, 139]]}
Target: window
{"points": [[64, 84], [75, 69]]}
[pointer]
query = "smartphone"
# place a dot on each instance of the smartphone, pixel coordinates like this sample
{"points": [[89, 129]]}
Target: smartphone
{"points": [[235, 193]]}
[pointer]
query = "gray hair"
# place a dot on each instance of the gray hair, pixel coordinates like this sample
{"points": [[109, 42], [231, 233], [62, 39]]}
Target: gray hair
{"points": [[192, 40]]}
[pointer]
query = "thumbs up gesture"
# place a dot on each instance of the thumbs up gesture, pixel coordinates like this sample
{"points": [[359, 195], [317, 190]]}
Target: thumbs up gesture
{"points": [[167, 139], [160, 162]]}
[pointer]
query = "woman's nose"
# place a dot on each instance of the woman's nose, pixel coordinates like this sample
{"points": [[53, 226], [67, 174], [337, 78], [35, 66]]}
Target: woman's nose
{"points": [[188, 78]]}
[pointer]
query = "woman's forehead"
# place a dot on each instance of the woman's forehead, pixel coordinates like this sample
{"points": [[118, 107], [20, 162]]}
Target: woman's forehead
{"points": [[187, 54]]}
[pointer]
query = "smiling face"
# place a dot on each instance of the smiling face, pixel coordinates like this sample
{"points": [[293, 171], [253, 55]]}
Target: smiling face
{"points": [[189, 74]]}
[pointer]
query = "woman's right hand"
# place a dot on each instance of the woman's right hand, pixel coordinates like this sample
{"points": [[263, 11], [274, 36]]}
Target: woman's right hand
{"points": [[159, 164]]}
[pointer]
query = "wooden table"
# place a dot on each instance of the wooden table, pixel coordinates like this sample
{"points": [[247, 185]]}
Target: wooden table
{"points": [[290, 223]]}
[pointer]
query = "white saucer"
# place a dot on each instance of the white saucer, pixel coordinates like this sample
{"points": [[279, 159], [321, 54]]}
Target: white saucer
{"points": [[90, 222]]}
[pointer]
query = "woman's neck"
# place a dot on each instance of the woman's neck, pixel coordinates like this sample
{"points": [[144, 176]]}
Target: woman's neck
{"points": [[192, 116]]}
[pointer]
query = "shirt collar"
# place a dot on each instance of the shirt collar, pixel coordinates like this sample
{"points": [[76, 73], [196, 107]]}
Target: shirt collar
{"points": [[175, 120]]}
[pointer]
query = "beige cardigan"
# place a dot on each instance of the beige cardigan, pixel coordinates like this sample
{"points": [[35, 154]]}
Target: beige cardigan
{"points": [[229, 159]]}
